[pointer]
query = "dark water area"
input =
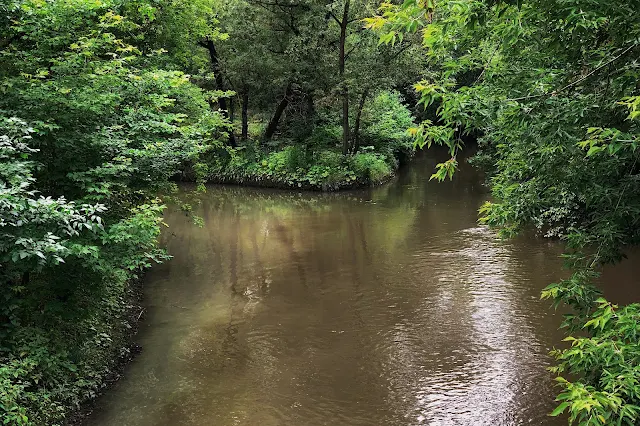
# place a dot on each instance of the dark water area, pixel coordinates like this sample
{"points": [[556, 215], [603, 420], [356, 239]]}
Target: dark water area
{"points": [[385, 306]]}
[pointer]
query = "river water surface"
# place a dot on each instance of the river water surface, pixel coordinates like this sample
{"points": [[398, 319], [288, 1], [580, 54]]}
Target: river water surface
{"points": [[386, 306]]}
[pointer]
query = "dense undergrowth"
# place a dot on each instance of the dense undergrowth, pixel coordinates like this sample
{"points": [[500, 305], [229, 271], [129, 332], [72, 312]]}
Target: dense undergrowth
{"points": [[317, 162], [294, 167]]}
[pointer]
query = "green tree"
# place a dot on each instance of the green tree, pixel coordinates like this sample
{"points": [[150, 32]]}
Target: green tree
{"points": [[307, 58], [105, 120], [550, 88]]}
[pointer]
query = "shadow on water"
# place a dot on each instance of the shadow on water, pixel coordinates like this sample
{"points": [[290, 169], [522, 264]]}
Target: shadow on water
{"points": [[382, 306]]}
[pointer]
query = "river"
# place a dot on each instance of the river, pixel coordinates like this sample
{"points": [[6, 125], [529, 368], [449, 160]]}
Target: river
{"points": [[386, 306]]}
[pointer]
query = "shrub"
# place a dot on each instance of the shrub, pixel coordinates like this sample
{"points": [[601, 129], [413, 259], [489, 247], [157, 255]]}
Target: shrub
{"points": [[385, 121], [286, 161], [325, 136], [296, 166], [371, 167]]}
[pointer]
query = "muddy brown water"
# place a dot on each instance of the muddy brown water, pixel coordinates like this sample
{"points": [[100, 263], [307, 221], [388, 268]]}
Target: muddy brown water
{"points": [[386, 306]]}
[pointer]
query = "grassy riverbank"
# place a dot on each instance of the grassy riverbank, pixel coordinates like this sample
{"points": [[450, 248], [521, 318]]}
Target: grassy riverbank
{"points": [[313, 160], [296, 168]]}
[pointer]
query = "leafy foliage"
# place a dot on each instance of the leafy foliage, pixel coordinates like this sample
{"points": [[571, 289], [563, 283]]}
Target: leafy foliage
{"points": [[550, 88], [385, 121], [308, 65], [101, 129], [315, 162], [295, 167]]}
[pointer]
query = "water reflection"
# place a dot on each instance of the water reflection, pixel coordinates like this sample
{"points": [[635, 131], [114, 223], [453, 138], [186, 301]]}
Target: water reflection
{"points": [[387, 306]]}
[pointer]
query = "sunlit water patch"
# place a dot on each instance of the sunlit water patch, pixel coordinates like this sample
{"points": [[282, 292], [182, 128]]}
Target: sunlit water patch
{"points": [[387, 306]]}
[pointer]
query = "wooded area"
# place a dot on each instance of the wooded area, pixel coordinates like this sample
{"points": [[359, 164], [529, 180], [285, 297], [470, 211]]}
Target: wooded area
{"points": [[106, 103]]}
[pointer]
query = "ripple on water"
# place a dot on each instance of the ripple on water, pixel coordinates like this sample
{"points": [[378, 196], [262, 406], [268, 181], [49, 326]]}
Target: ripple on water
{"points": [[328, 310]]}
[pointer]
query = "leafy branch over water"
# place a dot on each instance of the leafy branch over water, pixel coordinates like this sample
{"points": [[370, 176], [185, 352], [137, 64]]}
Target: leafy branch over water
{"points": [[550, 90]]}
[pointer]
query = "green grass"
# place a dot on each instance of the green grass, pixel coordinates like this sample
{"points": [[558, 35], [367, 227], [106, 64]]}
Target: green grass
{"points": [[300, 167]]}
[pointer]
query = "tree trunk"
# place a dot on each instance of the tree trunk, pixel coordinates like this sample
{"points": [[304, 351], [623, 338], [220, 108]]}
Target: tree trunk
{"points": [[273, 123], [217, 73], [311, 108], [356, 127], [245, 116], [346, 137]]}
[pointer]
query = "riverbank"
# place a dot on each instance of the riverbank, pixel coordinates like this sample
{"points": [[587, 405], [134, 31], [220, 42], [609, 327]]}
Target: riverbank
{"points": [[116, 356], [75, 363], [298, 168]]}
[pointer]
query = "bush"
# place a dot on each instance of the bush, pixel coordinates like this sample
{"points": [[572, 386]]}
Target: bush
{"points": [[371, 167], [325, 136], [385, 122], [297, 167]]}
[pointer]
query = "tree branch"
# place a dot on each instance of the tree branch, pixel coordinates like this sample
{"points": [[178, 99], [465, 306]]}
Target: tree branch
{"points": [[399, 52], [335, 18], [578, 81]]}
